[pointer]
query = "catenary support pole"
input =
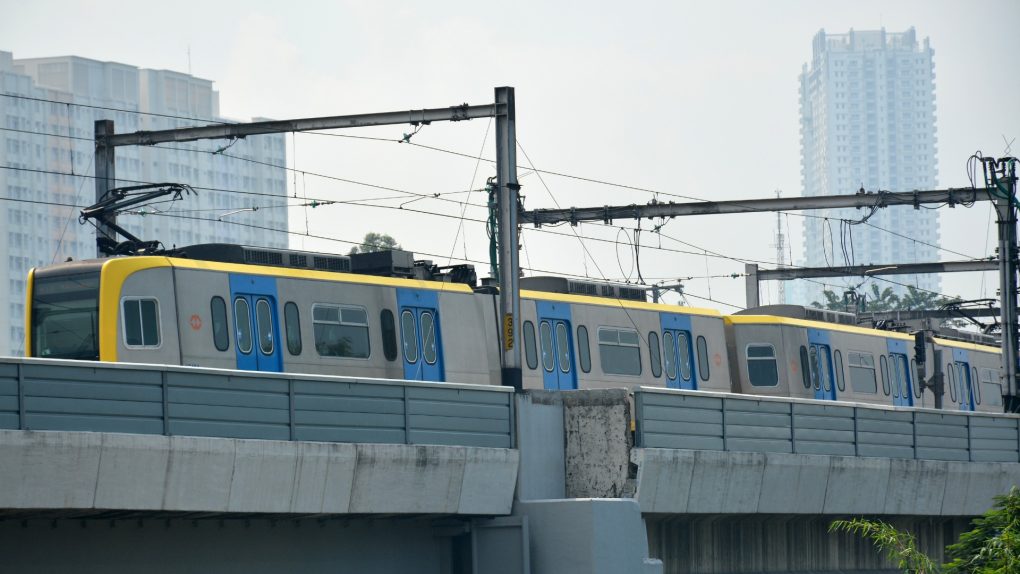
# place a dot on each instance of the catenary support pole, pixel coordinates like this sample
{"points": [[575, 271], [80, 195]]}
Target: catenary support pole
{"points": [[106, 179], [752, 296], [1008, 282], [509, 266]]}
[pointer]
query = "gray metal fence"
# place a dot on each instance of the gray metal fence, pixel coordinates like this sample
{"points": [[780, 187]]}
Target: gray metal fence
{"points": [[715, 421], [38, 394]]}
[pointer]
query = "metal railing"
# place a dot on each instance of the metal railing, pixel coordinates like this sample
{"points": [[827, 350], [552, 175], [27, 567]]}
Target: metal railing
{"points": [[718, 421], [40, 394]]}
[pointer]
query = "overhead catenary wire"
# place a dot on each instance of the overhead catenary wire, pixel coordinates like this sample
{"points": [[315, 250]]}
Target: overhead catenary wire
{"points": [[478, 157]]}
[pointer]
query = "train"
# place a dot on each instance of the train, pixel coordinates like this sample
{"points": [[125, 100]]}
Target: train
{"points": [[384, 315]]}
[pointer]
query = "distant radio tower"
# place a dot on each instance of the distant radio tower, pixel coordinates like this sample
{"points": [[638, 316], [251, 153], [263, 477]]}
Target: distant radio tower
{"points": [[780, 251]]}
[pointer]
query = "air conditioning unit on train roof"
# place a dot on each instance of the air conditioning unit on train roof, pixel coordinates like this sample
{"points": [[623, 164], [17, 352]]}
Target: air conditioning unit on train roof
{"points": [[248, 255], [802, 312], [589, 288]]}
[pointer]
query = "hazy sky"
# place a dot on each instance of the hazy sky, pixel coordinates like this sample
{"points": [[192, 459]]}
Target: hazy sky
{"points": [[691, 98]]}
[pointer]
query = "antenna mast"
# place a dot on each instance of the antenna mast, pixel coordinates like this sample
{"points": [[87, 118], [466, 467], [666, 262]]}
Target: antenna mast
{"points": [[780, 250]]}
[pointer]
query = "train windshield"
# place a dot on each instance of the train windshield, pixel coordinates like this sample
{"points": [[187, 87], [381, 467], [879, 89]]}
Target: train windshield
{"points": [[65, 316]]}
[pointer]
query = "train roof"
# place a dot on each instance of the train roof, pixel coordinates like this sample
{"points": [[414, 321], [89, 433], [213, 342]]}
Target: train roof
{"points": [[124, 266], [617, 303], [775, 320]]}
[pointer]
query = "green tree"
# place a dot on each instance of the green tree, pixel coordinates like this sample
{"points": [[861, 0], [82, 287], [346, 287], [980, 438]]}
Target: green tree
{"points": [[374, 242], [885, 300], [991, 547], [899, 546]]}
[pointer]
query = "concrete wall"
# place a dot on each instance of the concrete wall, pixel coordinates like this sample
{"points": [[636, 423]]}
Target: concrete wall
{"points": [[587, 536], [79, 470], [249, 546], [713, 482], [598, 442]]}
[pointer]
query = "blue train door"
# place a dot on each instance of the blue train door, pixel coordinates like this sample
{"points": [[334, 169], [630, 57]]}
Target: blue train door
{"points": [[962, 380], [420, 335], [556, 342], [677, 355], [902, 387], [256, 326], [820, 364]]}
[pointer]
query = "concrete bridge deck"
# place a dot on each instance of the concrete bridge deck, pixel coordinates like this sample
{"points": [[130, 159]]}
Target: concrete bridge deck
{"points": [[156, 462]]}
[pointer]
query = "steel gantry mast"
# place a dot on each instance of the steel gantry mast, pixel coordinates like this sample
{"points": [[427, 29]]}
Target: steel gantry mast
{"points": [[1000, 178], [502, 110]]}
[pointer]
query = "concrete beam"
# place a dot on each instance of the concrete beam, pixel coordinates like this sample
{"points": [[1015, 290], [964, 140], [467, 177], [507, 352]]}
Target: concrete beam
{"points": [[81, 470], [674, 481]]}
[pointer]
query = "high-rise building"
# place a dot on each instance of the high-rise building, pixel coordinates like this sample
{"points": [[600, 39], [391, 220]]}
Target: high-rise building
{"points": [[48, 109], [867, 108]]}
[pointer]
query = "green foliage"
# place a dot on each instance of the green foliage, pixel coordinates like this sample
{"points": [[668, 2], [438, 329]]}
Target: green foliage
{"points": [[898, 546], [374, 242], [993, 546], [879, 300]]}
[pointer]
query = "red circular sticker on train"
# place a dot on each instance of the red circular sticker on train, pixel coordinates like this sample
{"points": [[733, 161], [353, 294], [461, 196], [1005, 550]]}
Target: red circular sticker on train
{"points": [[717, 359], [196, 322]]}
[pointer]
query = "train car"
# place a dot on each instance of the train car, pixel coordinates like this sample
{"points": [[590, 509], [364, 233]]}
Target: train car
{"points": [[236, 307], [793, 351], [169, 310], [224, 311], [592, 335]]}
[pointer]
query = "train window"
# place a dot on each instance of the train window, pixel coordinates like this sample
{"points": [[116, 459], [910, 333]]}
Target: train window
{"points": [[669, 349], [762, 369], [264, 326], [813, 364], [65, 316], [242, 322], [951, 381], [654, 353], [824, 365], [409, 337], [220, 330], [619, 351], [703, 358], [530, 352], [548, 361], [977, 387], [342, 331], [428, 338], [991, 389], [840, 383], [583, 348], [862, 372], [141, 322], [292, 323], [683, 348], [885, 374], [563, 346], [805, 370], [389, 334], [916, 383], [903, 375]]}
